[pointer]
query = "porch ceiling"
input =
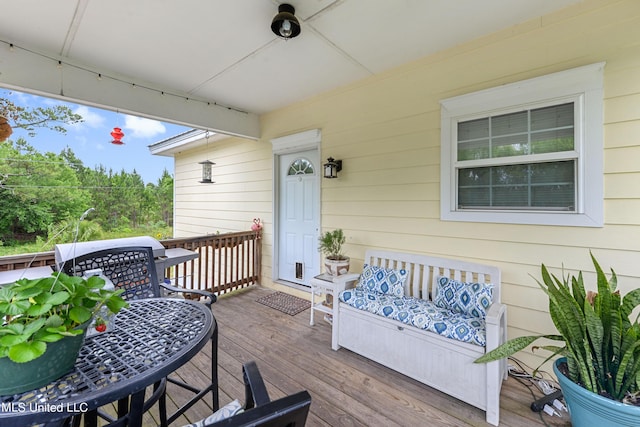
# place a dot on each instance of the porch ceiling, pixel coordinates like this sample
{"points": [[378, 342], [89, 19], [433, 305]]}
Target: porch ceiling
{"points": [[148, 57]]}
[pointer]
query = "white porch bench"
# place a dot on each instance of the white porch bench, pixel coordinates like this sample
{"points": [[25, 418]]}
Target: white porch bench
{"points": [[394, 330]]}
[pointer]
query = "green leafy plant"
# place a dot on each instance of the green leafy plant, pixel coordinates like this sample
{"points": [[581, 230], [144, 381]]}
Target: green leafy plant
{"points": [[330, 244], [30, 118], [39, 311], [601, 343]]}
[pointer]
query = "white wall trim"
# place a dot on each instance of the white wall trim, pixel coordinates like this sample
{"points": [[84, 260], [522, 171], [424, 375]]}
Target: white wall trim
{"points": [[307, 140], [586, 83], [301, 141]]}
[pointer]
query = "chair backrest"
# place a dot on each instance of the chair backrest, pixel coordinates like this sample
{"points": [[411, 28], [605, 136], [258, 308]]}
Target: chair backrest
{"points": [[132, 269], [289, 411], [260, 410]]}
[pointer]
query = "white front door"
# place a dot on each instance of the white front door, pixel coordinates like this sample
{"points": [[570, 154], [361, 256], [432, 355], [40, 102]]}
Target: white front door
{"points": [[299, 202]]}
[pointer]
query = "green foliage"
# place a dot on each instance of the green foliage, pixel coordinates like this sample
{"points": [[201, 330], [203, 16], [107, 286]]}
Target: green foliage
{"points": [[43, 192], [40, 311], [330, 244], [601, 343], [54, 118], [36, 190], [65, 232]]}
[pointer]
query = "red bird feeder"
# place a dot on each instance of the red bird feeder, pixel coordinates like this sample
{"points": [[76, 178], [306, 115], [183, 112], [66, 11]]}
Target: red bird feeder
{"points": [[117, 135]]}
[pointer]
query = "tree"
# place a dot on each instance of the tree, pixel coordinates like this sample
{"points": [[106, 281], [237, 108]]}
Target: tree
{"points": [[36, 190], [30, 118], [43, 194], [164, 197], [31, 183]]}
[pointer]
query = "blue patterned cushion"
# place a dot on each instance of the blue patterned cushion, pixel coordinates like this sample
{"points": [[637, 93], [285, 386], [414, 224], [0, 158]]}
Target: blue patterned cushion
{"points": [[382, 280], [419, 313], [227, 411], [472, 299]]}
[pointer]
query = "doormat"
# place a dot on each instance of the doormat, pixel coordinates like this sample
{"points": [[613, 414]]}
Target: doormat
{"points": [[285, 303]]}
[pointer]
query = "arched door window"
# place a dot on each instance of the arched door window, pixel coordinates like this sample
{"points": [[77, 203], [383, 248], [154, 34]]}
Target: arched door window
{"points": [[301, 166]]}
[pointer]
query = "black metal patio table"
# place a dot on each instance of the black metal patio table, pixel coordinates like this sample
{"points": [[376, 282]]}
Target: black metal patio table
{"points": [[150, 339]]}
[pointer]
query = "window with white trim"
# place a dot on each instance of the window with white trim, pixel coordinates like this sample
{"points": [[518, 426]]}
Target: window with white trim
{"points": [[527, 153]]}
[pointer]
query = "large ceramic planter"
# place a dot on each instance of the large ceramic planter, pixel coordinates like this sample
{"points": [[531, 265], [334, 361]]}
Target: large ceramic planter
{"points": [[59, 359], [589, 409], [336, 267]]}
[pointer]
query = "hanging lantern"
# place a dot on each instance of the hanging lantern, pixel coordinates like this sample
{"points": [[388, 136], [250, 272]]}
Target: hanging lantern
{"points": [[207, 177], [117, 135], [5, 129]]}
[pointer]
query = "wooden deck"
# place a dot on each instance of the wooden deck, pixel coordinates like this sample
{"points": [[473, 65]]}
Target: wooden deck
{"points": [[346, 389]]}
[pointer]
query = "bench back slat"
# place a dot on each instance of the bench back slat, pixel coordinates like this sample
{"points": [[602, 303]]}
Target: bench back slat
{"points": [[424, 270]]}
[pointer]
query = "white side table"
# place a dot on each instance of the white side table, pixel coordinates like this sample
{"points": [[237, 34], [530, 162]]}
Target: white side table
{"points": [[331, 286], [323, 284]]}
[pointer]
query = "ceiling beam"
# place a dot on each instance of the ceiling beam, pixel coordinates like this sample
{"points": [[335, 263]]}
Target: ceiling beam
{"points": [[50, 76]]}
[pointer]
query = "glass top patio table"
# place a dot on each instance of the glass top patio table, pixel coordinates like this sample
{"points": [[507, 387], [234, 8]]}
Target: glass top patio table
{"points": [[149, 340]]}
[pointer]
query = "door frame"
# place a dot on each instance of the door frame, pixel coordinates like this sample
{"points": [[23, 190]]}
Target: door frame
{"points": [[290, 144]]}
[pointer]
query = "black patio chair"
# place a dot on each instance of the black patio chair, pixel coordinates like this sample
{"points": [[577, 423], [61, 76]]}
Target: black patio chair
{"points": [[133, 269], [259, 409]]}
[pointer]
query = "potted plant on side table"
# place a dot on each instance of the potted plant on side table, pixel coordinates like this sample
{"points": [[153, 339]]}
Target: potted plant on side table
{"points": [[42, 326], [330, 244], [599, 372]]}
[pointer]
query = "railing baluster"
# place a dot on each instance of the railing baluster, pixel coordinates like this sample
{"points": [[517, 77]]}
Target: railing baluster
{"points": [[226, 262]]}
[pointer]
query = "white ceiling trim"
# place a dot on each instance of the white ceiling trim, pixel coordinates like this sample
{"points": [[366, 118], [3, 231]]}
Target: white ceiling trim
{"points": [[40, 74], [187, 140]]}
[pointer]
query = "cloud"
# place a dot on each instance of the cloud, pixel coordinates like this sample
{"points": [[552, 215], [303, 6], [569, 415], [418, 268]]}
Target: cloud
{"points": [[144, 128], [19, 97], [90, 116]]}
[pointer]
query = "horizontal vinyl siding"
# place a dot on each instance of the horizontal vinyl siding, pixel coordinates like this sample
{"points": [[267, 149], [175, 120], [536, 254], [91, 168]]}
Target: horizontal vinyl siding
{"points": [[386, 129], [241, 190]]}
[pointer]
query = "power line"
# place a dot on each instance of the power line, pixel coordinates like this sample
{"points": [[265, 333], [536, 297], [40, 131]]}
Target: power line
{"points": [[38, 161], [82, 187], [100, 76]]}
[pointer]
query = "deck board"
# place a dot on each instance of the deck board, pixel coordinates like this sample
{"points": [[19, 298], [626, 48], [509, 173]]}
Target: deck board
{"points": [[346, 389]]}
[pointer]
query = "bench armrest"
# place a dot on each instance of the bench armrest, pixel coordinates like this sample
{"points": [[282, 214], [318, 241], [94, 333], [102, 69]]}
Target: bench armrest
{"points": [[496, 325], [495, 313]]}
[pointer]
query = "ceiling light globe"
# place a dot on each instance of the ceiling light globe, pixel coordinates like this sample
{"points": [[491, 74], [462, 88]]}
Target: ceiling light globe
{"points": [[285, 29], [285, 24]]}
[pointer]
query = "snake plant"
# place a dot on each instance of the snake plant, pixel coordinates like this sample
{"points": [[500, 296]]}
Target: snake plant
{"points": [[601, 343]]}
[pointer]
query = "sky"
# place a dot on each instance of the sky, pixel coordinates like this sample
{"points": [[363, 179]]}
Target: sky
{"points": [[91, 140]]}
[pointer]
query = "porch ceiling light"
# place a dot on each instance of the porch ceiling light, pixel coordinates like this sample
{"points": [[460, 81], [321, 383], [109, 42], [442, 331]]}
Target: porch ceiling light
{"points": [[332, 167], [285, 24], [207, 178]]}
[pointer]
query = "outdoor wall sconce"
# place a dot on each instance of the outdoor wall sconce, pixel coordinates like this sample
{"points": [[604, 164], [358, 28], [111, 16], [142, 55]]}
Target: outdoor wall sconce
{"points": [[206, 172], [285, 24], [332, 167]]}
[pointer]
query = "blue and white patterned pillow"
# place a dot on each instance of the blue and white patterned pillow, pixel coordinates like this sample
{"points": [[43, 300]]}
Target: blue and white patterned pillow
{"points": [[227, 411], [384, 281], [472, 299]]}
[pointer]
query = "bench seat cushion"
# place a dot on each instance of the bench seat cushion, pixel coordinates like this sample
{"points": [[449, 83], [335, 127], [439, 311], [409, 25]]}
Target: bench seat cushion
{"points": [[419, 313]]}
